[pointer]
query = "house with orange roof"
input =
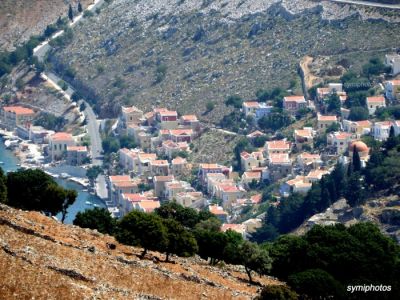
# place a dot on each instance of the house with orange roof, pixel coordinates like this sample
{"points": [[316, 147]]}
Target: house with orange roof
{"points": [[128, 159], [219, 212], [293, 104], [277, 147], [121, 184], [205, 169], [159, 167], [255, 134], [179, 166], [316, 175], [256, 109], [303, 137], [323, 93], [175, 187], [129, 201], [144, 162], [188, 199], [58, 143], [77, 155], [256, 199], [160, 184], [373, 103], [13, 116], [339, 141], [250, 107], [249, 161], [181, 135], [212, 179], [308, 161], [279, 166], [167, 119], [130, 115], [171, 148], [147, 206], [357, 127], [189, 122], [392, 90], [250, 176], [295, 185], [323, 122]]}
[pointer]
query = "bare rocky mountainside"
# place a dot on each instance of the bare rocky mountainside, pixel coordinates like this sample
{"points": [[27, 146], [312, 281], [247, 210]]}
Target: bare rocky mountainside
{"points": [[186, 53], [20, 19], [44, 259]]}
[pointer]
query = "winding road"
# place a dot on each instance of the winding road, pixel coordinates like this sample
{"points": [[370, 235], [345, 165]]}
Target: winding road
{"points": [[367, 3], [92, 122]]}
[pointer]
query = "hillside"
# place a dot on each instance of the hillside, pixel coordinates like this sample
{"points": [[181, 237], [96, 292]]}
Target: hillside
{"points": [[20, 19], [185, 53], [43, 259]]}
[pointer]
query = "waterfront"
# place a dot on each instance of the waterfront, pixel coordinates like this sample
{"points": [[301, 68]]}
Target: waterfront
{"points": [[10, 163]]}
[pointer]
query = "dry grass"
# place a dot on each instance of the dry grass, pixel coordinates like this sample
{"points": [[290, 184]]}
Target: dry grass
{"points": [[28, 259]]}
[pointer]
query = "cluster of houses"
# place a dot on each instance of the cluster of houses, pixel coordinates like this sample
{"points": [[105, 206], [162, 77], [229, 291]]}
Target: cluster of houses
{"points": [[158, 170], [56, 146]]}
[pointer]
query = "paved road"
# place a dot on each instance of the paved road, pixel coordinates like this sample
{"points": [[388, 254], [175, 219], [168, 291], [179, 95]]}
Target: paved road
{"points": [[366, 3], [92, 123]]}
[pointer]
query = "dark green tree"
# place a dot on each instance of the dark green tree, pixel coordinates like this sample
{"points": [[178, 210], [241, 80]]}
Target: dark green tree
{"points": [[277, 292], [186, 216], [334, 104], [97, 218], [254, 258], [233, 241], [358, 113], [144, 230], [80, 7], [40, 192], [354, 192], [180, 241], [356, 162], [70, 13], [211, 244], [3, 187], [93, 172], [126, 141], [316, 284], [234, 101], [265, 233]]}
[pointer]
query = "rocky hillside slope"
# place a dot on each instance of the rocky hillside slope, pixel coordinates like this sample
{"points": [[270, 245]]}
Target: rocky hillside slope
{"points": [[43, 259], [185, 53], [383, 211], [20, 19]]}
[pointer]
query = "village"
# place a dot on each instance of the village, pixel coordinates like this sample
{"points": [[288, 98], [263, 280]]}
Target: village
{"points": [[158, 169]]}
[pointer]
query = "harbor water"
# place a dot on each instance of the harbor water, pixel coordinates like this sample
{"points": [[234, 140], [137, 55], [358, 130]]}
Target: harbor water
{"points": [[9, 162]]}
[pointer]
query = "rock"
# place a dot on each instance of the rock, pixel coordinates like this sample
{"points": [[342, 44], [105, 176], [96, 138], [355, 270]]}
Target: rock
{"points": [[92, 249], [111, 246]]}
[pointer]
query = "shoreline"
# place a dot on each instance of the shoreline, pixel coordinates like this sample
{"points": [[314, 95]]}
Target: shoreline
{"points": [[84, 182]]}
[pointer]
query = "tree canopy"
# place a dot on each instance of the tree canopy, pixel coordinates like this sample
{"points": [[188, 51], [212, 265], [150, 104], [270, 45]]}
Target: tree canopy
{"points": [[97, 218], [40, 192]]}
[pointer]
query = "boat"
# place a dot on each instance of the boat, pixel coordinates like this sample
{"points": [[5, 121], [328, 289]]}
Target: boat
{"points": [[88, 203], [1, 162], [96, 205], [64, 175]]}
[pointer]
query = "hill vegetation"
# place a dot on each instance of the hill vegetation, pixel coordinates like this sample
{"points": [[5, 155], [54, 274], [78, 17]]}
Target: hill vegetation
{"points": [[183, 57]]}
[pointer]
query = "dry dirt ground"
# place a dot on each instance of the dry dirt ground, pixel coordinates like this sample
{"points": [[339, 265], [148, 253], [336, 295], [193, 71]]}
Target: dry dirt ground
{"points": [[43, 259]]}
